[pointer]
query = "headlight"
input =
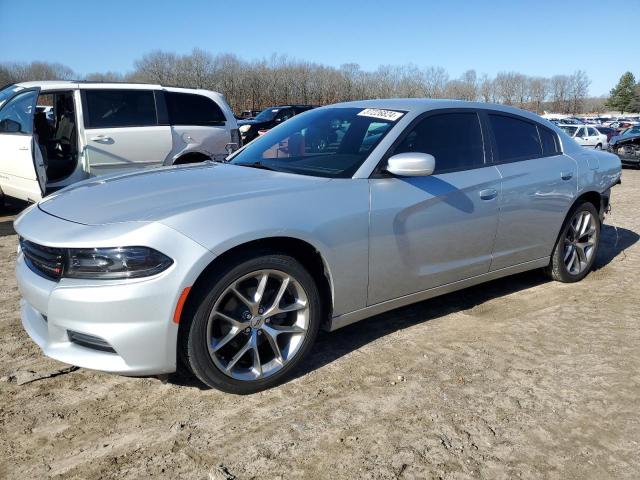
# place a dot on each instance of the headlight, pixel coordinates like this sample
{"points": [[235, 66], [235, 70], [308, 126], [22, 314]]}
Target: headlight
{"points": [[115, 263], [244, 128]]}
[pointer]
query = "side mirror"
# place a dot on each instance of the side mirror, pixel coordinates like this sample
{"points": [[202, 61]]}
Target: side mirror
{"points": [[10, 126], [411, 164]]}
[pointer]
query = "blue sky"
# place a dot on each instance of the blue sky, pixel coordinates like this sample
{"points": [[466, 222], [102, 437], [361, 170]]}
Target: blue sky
{"points": [[541, 37]]}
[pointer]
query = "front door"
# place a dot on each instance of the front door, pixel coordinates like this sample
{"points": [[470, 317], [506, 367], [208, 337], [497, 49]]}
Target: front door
{"points": [[122, 132], [433, 230], [22, 167]]}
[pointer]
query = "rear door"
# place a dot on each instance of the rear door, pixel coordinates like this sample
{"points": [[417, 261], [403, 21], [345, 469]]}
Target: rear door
{"points": [[539, 185], [22, 167], [122, 130], [433, 230], [594, 137], [198, 124]]}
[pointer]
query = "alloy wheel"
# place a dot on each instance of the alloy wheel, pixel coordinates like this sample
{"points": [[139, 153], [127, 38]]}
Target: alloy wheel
{"points": [[258, 324], [579, 242]]}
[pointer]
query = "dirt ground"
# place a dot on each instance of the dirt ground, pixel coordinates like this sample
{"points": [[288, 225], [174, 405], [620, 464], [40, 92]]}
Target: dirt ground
{"points": [[518, 378]]}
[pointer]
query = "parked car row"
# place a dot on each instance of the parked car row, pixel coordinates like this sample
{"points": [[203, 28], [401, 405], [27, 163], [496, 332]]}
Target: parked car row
{"points": [[53, 134]]}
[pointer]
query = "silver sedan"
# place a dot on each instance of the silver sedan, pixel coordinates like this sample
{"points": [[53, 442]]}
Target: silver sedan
{"points": [[341, 213]]}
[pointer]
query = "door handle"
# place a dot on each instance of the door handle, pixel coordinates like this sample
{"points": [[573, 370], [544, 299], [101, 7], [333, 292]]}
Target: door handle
{"points": [[101, 138], [488, 194], [23, 148], [566, 175]]}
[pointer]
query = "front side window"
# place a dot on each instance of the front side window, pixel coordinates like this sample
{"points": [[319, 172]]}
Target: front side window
{"points": [[515, 139], [8, 92], [285, 114], [120, 108], [454, 139], [328, 142], [192, 109], [17, 114]]}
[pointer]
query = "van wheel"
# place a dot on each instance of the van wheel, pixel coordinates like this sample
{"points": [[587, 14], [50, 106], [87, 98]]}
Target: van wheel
{"points": [[577, 245], [255, 323]]}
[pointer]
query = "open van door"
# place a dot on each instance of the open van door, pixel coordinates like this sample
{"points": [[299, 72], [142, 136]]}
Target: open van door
{"points": [[22, 165]]}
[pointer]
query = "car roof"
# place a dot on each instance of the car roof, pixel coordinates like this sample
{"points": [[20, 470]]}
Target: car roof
{"points": [[425, 104], [66, 84]]}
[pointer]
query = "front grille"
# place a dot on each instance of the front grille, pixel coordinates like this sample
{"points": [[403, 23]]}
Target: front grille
{"points": [[89, 341], [45, 261]]}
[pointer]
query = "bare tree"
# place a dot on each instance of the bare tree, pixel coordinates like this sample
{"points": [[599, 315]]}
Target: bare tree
{"points": [[281, 80], [578, 90], [539, 89]]}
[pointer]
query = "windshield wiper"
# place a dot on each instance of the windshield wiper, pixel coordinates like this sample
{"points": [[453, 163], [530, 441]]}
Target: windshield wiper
{"points": [[259, 165]]}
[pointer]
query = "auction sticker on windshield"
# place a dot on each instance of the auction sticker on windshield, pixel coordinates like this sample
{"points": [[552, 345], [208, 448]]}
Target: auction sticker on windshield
{"points": [[382, 114]]}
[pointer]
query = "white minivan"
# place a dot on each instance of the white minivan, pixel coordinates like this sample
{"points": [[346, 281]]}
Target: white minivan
{"points": [[55, 133]]}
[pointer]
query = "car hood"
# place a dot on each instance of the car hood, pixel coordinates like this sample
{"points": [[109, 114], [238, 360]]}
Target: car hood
{"points": [[255, 122], [158, 194], [624, 138]]}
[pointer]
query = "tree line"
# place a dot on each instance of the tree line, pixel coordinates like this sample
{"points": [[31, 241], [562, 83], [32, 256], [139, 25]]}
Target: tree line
{"points": [[280, 80]]}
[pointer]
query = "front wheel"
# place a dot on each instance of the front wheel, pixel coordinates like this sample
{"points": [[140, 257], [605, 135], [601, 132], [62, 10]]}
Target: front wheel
{"points": [[255, 325], [577, 245]]}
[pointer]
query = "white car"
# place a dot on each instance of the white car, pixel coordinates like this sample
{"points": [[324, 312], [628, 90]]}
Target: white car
{"points": [[94, 129], [586, 135]]}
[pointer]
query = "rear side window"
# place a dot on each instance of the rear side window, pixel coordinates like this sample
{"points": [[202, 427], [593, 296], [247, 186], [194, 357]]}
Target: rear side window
{"points": [[192, 109], [454, 139], [549, 141], [120, 108], [515, 139]]}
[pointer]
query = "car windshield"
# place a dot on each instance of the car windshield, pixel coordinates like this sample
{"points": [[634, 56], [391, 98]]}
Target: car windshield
{"points": [[7, 92], [571, 131], [328, 142], [267, 114]]}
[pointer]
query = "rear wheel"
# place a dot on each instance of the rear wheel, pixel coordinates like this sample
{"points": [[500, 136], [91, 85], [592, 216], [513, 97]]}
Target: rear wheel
{"points": [[599, 146], [255, 324], [577, 245]]}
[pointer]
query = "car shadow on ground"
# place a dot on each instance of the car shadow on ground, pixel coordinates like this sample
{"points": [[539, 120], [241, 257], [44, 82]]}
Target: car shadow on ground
{"points": [[331, 346], [6, 228]]}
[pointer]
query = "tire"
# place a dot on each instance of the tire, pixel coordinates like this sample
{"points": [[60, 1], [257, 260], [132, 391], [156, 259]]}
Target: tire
{"points": [[599, 146], [572, 259], [228, 343]]}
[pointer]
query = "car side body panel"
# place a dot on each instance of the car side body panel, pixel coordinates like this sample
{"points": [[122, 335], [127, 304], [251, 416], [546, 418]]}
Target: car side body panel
{"points": [[332, 216], [535, 198], [430, 231]]}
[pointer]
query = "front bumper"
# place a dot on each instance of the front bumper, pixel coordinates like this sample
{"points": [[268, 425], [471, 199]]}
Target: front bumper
{"points": [[134, 317]]}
